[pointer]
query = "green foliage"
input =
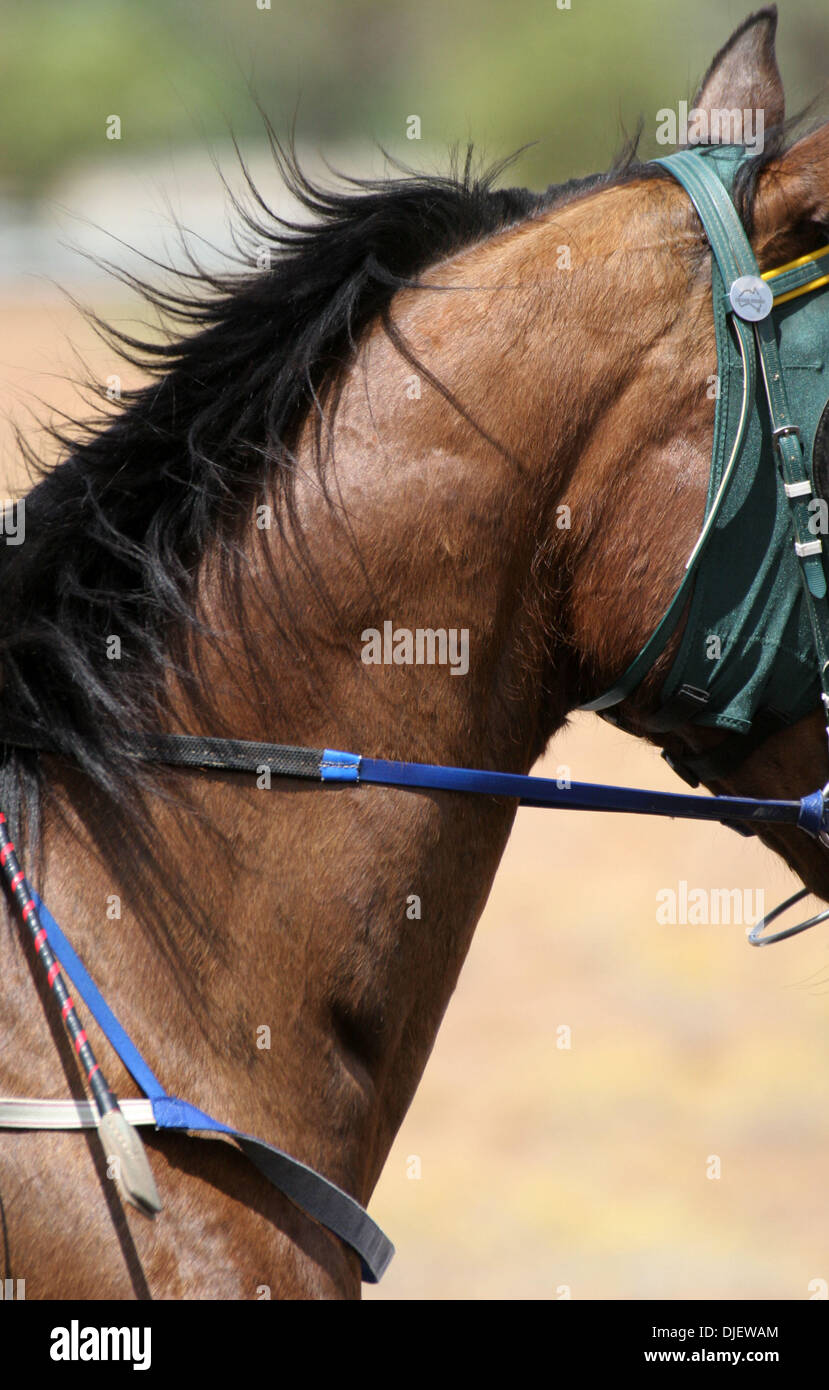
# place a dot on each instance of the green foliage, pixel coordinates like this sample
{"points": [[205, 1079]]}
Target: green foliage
{"points": [[180, 71]]}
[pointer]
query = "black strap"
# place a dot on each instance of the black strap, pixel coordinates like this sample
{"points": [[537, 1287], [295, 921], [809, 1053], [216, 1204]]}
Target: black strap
{"points": [[230, 754], [680, 709], [728, 755], [197, 751]]}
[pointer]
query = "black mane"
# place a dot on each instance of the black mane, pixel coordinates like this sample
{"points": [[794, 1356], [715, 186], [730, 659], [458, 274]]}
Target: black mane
{"points": [[115, 531]]}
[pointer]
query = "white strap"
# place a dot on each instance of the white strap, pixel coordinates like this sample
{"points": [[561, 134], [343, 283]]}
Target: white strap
{"points": [[26, 1113]]}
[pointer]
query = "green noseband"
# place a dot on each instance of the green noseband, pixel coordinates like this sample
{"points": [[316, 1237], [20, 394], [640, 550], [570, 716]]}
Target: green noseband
{"points": [[754, 655]]}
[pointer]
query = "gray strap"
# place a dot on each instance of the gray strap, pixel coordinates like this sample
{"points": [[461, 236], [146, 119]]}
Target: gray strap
{"points": [[324, 1201]]}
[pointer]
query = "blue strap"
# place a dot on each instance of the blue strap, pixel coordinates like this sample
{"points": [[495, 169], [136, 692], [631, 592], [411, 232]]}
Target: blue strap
{"points": [[338, 767], [98, 1007], [812, 813], [321, 1199], [809, 813]]}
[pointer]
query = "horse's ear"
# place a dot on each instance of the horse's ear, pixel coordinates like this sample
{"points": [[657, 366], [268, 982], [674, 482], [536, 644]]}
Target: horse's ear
{"points": [[744, 75]]}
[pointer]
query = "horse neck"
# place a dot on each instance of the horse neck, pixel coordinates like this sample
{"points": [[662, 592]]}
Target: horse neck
{"points": [[435, 519], [360, 903]]}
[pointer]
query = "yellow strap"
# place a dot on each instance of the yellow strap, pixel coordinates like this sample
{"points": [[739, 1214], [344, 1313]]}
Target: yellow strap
{"points": [[811, 256]]}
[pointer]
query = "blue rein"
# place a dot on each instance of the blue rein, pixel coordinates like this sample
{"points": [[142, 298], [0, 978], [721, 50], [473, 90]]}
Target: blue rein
{"points": [[331, 765], [810, 812], [322, 1199]]}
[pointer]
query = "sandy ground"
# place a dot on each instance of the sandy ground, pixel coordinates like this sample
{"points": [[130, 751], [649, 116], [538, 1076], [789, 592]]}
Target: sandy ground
{"points": [[531, 1170]]}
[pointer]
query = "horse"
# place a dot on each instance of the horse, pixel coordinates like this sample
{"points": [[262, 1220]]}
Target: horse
{"points": [[384, 425]]}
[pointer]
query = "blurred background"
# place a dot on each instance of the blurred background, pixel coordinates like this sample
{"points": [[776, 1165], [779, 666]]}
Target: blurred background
{"points": [[526, 1169]]}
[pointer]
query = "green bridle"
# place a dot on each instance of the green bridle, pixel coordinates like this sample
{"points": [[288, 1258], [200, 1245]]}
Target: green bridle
{"points": [[758, 615]]}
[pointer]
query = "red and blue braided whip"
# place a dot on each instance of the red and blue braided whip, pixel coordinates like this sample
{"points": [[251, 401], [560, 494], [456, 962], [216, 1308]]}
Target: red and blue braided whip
{"points": [[119, 1138]]}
